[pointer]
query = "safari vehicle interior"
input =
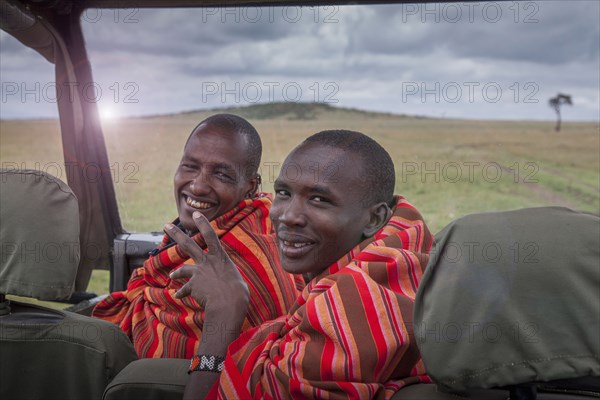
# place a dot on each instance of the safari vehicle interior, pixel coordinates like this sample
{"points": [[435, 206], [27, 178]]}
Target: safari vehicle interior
{"points": [[85, 214]]}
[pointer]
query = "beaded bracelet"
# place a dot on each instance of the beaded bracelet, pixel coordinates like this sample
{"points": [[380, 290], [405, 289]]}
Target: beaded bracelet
{"points": [[206, 362]]}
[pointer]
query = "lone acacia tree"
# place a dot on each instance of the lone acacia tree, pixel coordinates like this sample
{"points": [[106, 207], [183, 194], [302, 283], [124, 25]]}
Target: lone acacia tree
{"points": [[556, 102]]}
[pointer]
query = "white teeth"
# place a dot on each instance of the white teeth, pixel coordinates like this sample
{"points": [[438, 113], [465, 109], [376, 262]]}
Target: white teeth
{"points": [[296, 244], [197, 204]]}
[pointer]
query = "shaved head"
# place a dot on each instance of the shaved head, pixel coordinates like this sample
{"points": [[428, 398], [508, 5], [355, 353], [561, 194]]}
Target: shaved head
{"points": [[377, 173], [238, 125]]}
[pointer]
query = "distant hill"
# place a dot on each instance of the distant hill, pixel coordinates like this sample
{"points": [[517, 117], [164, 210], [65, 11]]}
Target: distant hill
{"points": [[293, 111]]}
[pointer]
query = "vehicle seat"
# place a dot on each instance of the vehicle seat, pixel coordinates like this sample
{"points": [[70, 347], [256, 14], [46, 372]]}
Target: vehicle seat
{"points": [[150, 379], [48, 353], [510, 301]]}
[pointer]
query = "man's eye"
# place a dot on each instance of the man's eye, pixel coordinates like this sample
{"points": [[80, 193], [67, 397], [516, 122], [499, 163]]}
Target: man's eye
{"points": [[223, 176], [281, 193], [319, 199], [188, 166]]}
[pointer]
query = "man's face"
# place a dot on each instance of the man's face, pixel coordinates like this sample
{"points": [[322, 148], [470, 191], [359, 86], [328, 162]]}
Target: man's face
{"points": [[317, 212], [210, 177]]}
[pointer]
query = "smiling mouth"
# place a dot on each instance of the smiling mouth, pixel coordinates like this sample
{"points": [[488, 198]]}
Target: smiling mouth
{"points": [[198, 205], [295, 248]]}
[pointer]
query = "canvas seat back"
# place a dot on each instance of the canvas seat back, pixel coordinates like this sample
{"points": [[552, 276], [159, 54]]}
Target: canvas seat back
{"points": [[48, 353], [511, 299]]}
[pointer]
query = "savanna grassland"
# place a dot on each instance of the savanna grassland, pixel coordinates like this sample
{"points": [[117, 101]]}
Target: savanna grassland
{"points": [[445, 167]]}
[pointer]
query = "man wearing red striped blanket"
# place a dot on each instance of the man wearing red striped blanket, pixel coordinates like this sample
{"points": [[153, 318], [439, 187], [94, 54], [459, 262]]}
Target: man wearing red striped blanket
{"points": [[218, 177], [362, 251]]}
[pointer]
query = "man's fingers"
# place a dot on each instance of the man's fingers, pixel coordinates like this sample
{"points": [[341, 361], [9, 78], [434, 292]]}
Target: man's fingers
{"points": [[210, 237], [186, 271], [184, 291], [186, 243]]}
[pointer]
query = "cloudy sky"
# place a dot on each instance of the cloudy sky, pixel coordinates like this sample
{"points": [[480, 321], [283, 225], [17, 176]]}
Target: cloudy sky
{"points": [[495, 60]]}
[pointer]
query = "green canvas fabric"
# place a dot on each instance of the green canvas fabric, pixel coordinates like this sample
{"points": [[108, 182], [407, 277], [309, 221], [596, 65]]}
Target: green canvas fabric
{"points": [[511, 297], [429, 391], [37, 259], [51, 354], [150, 379]]}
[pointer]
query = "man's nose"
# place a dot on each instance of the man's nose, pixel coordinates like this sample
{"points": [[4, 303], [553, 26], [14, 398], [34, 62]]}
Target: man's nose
{"points": [[200, 184], [292, 213]]}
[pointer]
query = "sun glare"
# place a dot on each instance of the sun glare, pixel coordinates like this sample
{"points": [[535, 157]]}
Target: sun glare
{"points": [[107, 113]]}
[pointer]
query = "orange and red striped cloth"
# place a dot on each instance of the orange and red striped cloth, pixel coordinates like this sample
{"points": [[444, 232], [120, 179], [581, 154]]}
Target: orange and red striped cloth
{"points": [[350, 333], [160, 325]]}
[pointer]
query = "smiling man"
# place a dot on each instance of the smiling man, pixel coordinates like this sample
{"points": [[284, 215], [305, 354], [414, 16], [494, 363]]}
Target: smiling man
{"points": [[218, 168], [332, 186], [218, 177], [363, 250]]}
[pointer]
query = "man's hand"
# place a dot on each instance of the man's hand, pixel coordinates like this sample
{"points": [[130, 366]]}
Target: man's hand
{"points": [[215, 282]]}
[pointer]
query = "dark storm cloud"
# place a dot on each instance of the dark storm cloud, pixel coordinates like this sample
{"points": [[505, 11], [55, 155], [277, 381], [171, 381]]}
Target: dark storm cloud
{"points": [[269, 41], [370, 54], [541, 32], [182, 32]]}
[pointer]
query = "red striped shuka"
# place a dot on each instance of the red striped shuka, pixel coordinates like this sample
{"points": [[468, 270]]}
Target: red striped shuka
{"points": [[160, 325], [349, 334]]}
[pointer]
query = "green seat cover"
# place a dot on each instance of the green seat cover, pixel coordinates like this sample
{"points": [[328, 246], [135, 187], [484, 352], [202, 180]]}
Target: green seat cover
{"points": [[39, 235], [150, 379], [46, 353], [511, 297]]}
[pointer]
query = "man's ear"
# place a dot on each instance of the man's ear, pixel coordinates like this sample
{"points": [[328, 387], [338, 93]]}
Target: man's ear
{"points": [[254, 184], [380, 214]]}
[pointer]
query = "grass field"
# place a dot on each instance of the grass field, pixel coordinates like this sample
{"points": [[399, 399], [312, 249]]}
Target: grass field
{"points": [[445, 167]]}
